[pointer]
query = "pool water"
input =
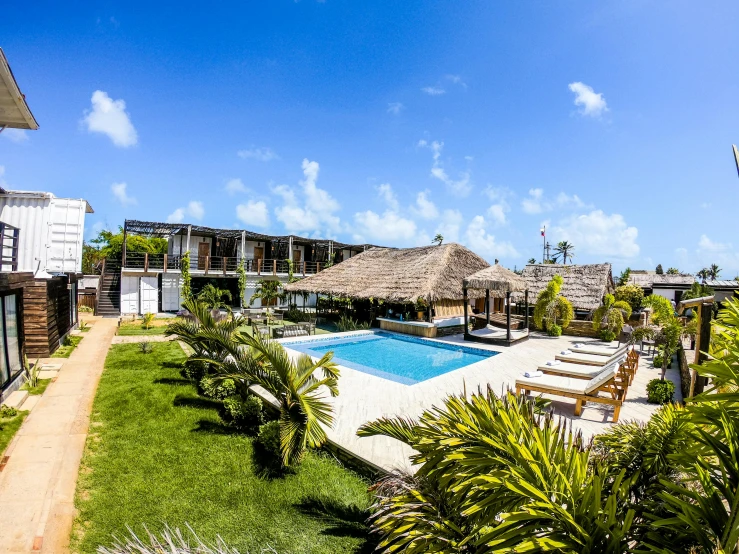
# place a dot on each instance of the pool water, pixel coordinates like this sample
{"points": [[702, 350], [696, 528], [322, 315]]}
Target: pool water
{"points": [[407, 360]]}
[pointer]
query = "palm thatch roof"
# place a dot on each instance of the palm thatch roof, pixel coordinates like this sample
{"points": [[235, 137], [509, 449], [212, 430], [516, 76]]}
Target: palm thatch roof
{"points": [[584, 285], [497, 279], [397, 275], [647, 279]]}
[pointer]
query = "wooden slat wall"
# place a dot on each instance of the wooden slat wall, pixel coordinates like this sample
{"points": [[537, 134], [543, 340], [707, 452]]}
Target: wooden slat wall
{"points": [[400, 327], [449, 308], [46, 309]]}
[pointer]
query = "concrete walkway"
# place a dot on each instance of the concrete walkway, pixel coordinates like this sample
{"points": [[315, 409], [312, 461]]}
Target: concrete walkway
{"points": [[38, 483]]}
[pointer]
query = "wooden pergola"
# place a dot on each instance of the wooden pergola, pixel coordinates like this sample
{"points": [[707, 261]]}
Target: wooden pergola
{"points": [[503, 282], [703, 308]]}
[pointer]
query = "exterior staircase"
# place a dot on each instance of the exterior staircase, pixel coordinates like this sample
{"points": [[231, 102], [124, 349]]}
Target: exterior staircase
{"points": [[109, 290]]}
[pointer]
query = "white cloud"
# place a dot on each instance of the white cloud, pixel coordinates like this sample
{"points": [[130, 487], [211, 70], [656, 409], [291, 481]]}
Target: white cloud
{"points": [[2, 173], [254, 213], [234, 186], [599, 234], [15, 135], [395, 108], [497, 213], [94, 230], [193, 209], [456, 79], [318, 210], [433, 91], [177, 216], [533, 203], [424, 207], [722, 253], [451, 222], [500, 207], [121, 194], [710, 246], [459, 187], [110, 117], [263, 154], [591, 104], [386, 193], [483, 243], [387, 228]]}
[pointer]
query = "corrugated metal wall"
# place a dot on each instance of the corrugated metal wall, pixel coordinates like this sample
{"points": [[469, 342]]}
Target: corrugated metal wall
{"points": [[31, 216]]}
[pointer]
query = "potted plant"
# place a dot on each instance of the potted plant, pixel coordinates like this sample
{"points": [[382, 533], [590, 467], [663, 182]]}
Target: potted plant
{"points": [[421, 309]]}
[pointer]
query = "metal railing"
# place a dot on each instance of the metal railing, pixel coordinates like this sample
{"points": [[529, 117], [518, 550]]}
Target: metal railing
{"points": [[218, 264], [8, 247]]}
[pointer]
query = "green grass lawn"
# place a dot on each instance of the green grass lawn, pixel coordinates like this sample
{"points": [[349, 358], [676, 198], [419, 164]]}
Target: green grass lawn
{"points": [[38, 389], [158, 453], [65, 350], [8, 428], [128, 329]]}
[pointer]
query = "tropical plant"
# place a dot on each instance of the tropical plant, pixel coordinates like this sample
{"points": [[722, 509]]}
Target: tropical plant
{"points": [[623, 279], [32, 372], [438, 239], [147, 320], [268, 291], [673, 271], [564, 251], [697, 290], [713, 271], [293, 383], [347, 323], [185, 275], [246, 415], [213, 297], [667, 341], [633, 294], [661, 308], [241, 271], [551, 307], [659, 270], [660, 391], [169, 541], [146, 347], [703, 274], [495, 475], [611, 314]]}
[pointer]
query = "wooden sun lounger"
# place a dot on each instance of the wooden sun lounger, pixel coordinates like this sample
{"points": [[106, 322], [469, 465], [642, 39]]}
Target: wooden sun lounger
{"points": [[591, 359], [596, 349], [629, 363], [611, 381]]}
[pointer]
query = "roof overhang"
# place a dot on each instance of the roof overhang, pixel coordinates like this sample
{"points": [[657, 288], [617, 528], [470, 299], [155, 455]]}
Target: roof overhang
{"points": [[14, 111]]}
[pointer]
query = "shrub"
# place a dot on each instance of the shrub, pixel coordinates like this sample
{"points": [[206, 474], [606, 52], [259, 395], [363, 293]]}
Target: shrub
{"points": [[296, 316], [194, 370], [607, 335], [268, 441], [633, 295], [7, 411], [554, 330], [85, 309], [147, 320], [657, 361], [246, 415], [660, 391], [346, 323], [551, 307], [146, 347], [217, 389]]}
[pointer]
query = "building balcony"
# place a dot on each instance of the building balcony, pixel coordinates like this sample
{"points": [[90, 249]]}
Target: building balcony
{"points": [[216, 265], [8, 247]]}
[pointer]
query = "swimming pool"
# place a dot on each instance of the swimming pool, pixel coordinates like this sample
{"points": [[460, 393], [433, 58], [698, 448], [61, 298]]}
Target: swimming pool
{"points": [[399, 358]]}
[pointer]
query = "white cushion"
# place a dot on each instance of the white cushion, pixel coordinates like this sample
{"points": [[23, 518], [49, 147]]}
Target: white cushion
{"points": [[565, 368], [554, 382], [601, 379]]}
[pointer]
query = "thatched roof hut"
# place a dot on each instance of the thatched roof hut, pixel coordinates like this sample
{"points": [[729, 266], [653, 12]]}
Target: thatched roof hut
{"points": [[584, 285], [432, 273], [497, 279]]}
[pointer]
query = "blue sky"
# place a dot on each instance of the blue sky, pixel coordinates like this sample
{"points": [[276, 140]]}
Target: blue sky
{"points": [[387, 122]]}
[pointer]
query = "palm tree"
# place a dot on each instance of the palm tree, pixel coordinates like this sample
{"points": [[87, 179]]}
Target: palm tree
{"points": [[552, 307], [298, 391], [703, 274], [565, 251], [212, 296], [610, 316], [713, 271], [268, 291], [438, 239]]}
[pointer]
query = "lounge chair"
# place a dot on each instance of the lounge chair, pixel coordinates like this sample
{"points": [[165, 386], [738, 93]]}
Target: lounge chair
{"points": [[595, 349], [611, 381], [576, 371], [591, 359]]}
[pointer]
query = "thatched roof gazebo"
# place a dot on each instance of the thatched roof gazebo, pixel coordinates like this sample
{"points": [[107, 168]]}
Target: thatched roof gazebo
{"points": [[583, 285], [401, 275], [501, 282]]}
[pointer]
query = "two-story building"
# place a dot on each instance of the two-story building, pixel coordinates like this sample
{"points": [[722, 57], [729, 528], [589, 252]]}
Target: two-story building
{"points": [[153, 282]]}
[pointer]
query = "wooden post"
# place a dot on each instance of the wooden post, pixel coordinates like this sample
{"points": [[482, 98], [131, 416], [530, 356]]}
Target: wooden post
{"points": [[123, 250], [318, 267], [146, 261], [704, 340], [189, 229], [225, 263], [487, 307], [526, 302], [259, 266], [303, 268], [243, 244], [508, 315], [165, 263], [466, 307], [274, 266], [207, 264]]}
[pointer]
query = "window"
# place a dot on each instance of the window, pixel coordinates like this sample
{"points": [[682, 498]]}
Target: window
{"points": [[10, 351]]}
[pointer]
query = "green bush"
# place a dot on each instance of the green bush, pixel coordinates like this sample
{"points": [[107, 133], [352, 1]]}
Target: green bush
{"points": [[194, 370], [268, 440], [7, 411], [607, 335], [554, 330], [657, 361], [660, 391], [346, 323], [146, 347], [296, 316], [245, 415], [85, 309], [631, 294], [217, 389]]}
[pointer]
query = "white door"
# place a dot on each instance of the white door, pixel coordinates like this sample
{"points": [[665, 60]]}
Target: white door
{"points": [[171, 301], [149, 295], [129, 294]]}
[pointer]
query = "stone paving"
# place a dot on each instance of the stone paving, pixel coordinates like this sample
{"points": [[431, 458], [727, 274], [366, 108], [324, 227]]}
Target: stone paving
{"points": [[38, 482]]}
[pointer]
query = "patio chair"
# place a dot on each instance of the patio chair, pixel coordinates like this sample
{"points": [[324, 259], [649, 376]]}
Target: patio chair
{"points": [[610, 381], [259, 330], [590, 359], [297, 330], [578, 371]]}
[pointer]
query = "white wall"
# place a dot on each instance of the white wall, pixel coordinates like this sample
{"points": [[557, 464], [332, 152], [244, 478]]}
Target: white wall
{"points": [[666, 293], [171, 292], [51, 230], [139, 294]]}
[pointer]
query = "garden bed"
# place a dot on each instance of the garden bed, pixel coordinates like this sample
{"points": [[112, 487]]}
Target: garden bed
{"points": [[159, 453], [64, 351]]}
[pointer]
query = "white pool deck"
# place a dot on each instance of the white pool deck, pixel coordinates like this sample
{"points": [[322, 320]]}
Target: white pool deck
{"points": [[364, 397]]}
